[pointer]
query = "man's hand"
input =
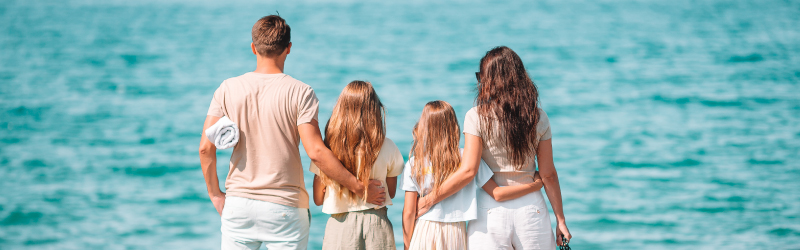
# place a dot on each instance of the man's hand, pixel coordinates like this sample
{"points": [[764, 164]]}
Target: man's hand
{"points": [[208, 162], [330, 165], [219, 202], [375, 193]]}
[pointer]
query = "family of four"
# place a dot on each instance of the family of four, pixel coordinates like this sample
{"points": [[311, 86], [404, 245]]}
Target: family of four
{"points": [[492, 182]]}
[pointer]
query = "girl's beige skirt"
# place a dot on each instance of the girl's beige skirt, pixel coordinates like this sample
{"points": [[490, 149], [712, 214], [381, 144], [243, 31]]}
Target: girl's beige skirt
{"points": [[434, 235]]}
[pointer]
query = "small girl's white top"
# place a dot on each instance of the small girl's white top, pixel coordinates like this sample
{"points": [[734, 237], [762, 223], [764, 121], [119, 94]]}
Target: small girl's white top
{"points": [[388, 164], [461, 206]]}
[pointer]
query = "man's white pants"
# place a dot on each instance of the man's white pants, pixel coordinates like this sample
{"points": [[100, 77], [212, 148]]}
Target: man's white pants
{"points": [[247, 223]]}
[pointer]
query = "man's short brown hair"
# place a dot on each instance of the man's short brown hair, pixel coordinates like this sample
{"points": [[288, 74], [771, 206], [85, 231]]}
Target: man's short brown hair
{"points": [[271, 35]]}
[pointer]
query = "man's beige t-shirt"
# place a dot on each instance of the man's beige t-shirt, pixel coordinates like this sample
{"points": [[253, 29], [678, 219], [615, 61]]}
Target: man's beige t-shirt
{"points": [[495, 150], [388, 164], [265, 164]]}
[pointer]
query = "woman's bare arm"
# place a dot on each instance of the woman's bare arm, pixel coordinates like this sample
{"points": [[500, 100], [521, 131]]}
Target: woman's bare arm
{"points": [[547, 169], [470, 160], [409, 216], [512, 192]]}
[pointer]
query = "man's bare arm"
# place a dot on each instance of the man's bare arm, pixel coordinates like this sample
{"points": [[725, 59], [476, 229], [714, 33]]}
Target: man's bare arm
{"points": [[208, 162], [330, 165]]}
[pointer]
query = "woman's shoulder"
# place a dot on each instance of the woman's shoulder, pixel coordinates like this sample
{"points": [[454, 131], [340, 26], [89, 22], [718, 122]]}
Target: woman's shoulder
{"points": [[472, 115], [543, 119], [472, 112]]}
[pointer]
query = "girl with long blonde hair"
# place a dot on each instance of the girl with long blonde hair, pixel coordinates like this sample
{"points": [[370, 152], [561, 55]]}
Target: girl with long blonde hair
{"points": [[356, 135], [435, 156]]}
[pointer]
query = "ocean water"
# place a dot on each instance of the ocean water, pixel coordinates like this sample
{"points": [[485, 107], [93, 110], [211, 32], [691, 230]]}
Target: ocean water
{"points": [[676, 124]]}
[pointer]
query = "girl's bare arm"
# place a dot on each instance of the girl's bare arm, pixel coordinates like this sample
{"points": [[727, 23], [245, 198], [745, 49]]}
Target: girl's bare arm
{"points": [[512, 192], [391, 185], [409, 217], [319, 191]]}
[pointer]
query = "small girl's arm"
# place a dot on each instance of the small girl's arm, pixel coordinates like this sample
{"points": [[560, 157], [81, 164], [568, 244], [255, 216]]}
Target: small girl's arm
{"points": [[512, 192], [319, 191], [391, 185], [409, 216]]}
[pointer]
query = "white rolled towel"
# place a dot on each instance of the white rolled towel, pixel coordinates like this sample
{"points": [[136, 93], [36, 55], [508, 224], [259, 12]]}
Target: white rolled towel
{"points": [[224, 134]]}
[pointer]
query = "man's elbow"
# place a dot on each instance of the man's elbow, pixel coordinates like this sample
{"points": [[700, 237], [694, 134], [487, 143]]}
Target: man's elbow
{"points": [[315, 154], [204, 150]]}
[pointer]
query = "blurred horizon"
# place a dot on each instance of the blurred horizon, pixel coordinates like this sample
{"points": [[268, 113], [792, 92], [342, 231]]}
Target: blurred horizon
{"points": [[676, 124]]}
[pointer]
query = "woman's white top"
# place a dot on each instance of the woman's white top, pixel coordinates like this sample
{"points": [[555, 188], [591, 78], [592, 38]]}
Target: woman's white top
{"points": [[496, 151]]}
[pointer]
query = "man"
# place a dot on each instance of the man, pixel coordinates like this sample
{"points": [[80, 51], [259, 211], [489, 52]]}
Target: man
{"points": [[266, 200]]}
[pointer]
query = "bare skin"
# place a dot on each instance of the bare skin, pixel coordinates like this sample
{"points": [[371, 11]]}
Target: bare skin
{"points": [[512, 192], [330, 165], [410, 214], [309, 135], [208, 162], [473, 146], [319, 190], [552, 188], [409, 217]]}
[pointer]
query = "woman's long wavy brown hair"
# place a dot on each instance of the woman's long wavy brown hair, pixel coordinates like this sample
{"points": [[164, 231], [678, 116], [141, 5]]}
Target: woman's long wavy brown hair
{"points": [[435, 145], [355, 133], [507, 96]]}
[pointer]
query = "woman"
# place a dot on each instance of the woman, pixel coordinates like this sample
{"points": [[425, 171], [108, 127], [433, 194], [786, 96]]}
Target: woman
{"points": [[509, 131]]}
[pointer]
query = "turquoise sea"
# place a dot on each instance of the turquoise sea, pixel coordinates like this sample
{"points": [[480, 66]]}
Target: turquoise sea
{"points": [[676, 123]]}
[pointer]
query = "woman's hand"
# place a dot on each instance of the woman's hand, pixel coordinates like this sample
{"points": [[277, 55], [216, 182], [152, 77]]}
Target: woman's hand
{"points": [[423, 206], [562, 229]]}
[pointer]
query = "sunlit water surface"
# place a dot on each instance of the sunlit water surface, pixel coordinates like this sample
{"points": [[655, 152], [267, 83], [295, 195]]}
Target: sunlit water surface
{"points": [[676, 124]]}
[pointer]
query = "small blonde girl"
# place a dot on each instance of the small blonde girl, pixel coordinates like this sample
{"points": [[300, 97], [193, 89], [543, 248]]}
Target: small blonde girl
{"points": [[435, 156], [356, 135]]}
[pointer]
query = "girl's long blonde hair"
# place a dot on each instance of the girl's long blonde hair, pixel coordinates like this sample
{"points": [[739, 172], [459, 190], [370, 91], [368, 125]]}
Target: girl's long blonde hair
{"points": [[355, 133], [435, 145]]}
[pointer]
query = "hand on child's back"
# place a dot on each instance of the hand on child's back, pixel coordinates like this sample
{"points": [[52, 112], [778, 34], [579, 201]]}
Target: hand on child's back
{"points": [[376, 194]]}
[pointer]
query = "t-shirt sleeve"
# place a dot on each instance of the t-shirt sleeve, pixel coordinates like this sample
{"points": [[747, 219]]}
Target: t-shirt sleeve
{"points": [[472, 122], [217, 102], [484, 174], [543, 127], [395, 163], [407, 182], [308, 108], [314, 169]]}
